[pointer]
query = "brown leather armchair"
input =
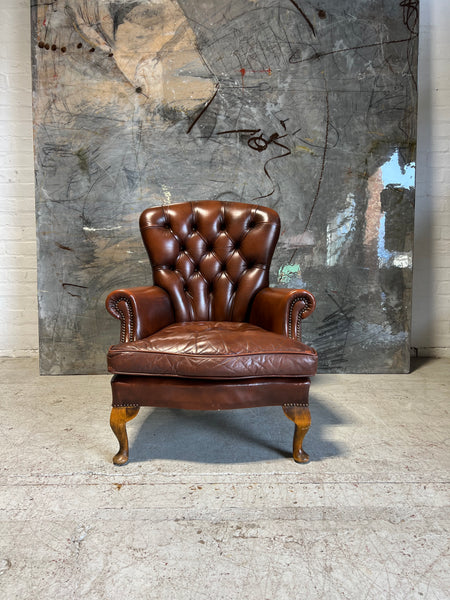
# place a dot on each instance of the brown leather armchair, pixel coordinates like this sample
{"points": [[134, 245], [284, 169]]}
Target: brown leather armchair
{"points": [[210, 334]]}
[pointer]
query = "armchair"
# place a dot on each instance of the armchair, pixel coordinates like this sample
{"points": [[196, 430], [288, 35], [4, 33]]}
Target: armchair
{"points": [[210, 334]]}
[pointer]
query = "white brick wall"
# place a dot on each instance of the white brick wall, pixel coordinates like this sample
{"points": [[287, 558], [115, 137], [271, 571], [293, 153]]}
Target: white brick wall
{"points": [[431, 289], [431, 292], [18, 304]]}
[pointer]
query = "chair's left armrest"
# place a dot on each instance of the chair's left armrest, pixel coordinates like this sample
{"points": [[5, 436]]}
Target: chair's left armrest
{"points": [[281, 310], [141, 310]]}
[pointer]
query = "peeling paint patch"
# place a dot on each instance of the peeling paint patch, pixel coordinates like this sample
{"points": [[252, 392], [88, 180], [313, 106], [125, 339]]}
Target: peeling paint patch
{"points": [[288, 273], [394, 172], [167, 194], [102, 228], [403, 261]]}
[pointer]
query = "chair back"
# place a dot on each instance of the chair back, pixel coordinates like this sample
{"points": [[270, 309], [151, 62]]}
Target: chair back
{"points": [[212, 257]]}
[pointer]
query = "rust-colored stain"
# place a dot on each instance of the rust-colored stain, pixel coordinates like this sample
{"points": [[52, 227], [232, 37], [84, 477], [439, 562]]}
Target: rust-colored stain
{"points": [[242, 71]]}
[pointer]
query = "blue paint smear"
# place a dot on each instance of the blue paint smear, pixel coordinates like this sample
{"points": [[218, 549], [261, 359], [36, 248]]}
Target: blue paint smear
{"points": [[394, 174], [383, 254]]}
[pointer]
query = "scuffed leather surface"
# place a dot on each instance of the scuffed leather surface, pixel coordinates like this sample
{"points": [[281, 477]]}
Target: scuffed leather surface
{"points": [[141, 310], [200, 394], [211, 257], [214, 350], [190, 345], [279, 309]]}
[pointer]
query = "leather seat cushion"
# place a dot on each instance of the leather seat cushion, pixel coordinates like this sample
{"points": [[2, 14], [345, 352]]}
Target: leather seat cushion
{"points": [[213, 350]]}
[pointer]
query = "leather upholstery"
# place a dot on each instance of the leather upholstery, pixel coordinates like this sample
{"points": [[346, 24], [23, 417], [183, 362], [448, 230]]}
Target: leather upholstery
{"points": [[208, 394], [282, 310], [211, 257], [141, 310], [214, 350], [210, 333]]}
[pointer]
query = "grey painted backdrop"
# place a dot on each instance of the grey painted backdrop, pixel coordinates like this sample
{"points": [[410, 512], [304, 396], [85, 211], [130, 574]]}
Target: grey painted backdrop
{"points": [[306, 107]]}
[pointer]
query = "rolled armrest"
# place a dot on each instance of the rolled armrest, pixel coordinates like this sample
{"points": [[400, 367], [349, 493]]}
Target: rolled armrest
{"points": [[282, 310], [141, 310]]}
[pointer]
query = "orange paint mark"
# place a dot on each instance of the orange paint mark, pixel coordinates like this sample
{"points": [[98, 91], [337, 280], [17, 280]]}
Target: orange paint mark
{"points": [[242, 76]]}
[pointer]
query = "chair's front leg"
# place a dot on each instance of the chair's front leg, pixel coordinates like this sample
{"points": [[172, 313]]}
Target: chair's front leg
{"points": [[118, 421], [302, 419]]}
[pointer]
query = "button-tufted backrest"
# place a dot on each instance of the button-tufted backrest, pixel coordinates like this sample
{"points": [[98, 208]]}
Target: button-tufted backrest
{"points": [[211, 257]]}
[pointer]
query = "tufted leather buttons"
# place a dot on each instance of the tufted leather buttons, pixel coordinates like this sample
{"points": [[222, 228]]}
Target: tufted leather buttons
{"points": [[215, 244]]}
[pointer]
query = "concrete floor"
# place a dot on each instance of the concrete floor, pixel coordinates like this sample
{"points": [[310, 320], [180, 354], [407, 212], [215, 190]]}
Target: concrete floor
{"points": [[212, 507]]}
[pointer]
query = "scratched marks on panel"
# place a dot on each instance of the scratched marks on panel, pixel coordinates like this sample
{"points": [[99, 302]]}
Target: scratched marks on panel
{"points": [[258, 142], [305, 107]]}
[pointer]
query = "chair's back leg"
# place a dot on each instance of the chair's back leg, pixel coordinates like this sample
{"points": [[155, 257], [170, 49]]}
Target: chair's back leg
{"points": [[118, 421], [302, 419]]}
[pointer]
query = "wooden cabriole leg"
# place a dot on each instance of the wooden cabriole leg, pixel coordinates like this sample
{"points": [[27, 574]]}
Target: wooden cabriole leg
{"points": [[118, 421], [302, 419]]}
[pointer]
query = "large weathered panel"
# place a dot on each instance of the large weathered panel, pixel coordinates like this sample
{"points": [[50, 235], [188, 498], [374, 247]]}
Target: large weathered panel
{"points": [[305, 107]]}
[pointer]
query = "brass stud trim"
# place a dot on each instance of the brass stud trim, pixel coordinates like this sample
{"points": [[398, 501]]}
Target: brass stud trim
{"points": [[123, 323], [305, 301]]}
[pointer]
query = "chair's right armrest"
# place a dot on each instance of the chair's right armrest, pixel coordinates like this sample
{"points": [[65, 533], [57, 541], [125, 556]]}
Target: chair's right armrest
{"points": [[141, 310], [282, 310]]}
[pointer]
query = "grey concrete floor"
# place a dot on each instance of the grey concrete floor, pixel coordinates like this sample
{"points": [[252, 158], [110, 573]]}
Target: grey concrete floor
{"points": [[212, 507]]}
